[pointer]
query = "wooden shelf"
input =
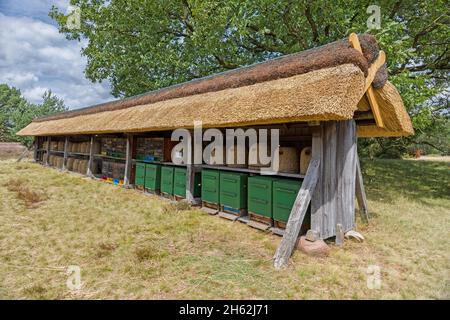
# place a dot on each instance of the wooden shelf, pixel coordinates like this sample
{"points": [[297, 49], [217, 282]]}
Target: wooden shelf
{"points": [[108, 157], [255, 171], [54, 151], [224, 168], [77, 154]]}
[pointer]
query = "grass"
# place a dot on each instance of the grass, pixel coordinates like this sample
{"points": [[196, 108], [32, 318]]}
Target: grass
{"points": [[134, 246]]}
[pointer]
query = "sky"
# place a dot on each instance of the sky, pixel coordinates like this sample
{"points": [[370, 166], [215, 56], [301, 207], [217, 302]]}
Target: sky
{"points": [[35, 57]]}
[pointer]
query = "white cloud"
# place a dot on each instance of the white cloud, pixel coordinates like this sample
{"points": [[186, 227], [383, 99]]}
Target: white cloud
{"points": [[35, 57]]}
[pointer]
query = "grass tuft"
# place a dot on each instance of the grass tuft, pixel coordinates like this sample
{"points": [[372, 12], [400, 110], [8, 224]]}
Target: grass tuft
{"points": [[31, 198]]}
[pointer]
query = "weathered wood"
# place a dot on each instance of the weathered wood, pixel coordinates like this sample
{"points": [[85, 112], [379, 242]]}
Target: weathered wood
{"points": [[361, 193], [317, 198], [373, 69], [346, 168], [190, 178], [91, 158], [24, 153], [339, 235], [333, 199], [47, 151], [128, 161], [36, 147], [298, 212], [66, 151]]}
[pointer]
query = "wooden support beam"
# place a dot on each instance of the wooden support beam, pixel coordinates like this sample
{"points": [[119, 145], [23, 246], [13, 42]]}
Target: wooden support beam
{"points": [[298, 212], [66, 151], [91, 158], [190, 177], [128, 161], [47, 151], [361, 194], [354, 42], [333, 200], [36, 146]]}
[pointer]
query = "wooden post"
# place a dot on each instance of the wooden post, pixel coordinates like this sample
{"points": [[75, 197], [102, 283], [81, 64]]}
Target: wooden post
{"points": [[66, 147], [91, 158], [47, 151], [128, 161], [36, 146], [333, 200], [298, 212], [361, 194]]}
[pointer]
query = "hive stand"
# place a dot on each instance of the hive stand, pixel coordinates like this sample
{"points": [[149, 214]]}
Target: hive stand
{"points": [[330, 186]]}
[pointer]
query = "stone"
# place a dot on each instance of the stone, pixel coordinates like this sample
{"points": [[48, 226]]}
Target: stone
{"points": [[312, 235], [316, 248]]}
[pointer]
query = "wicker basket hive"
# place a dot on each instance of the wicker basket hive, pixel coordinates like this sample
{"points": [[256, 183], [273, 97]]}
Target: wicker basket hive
{"points": [[289, 160], [305, 158]]}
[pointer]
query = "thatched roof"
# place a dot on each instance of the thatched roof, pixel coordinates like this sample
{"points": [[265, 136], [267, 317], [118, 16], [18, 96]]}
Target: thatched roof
{"points": [[324, 83]]}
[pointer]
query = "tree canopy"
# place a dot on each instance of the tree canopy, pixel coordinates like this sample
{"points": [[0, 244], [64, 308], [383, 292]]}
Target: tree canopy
{"points": [[142, 45], [16, 112]]}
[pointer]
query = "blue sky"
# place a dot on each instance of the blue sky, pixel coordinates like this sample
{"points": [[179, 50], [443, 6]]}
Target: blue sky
{"points": [[35, 57]]}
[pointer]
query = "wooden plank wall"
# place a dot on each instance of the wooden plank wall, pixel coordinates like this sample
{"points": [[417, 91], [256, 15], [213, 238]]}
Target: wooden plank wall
{"points": [[333, 200]]}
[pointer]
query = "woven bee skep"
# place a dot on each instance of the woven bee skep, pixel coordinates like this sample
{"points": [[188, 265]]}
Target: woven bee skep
{"points": [[289, 160], [83, 166], [70, 164], [305, 158], [81, 147], [76, 163], [61, 146]]}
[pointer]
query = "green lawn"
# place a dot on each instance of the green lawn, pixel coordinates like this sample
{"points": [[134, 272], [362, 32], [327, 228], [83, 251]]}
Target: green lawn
{"points": [[130, 245]]}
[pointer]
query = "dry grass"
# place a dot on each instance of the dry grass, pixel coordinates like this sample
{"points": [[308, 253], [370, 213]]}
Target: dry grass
{"points": [[31, 198], [134, 246]]}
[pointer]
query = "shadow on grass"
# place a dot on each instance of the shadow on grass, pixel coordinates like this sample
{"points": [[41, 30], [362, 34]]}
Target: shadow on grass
{"points": [[415, 180]]}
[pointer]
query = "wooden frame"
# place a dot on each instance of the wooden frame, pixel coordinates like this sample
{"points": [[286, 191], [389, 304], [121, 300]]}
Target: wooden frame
{"points": [[368, 90]]}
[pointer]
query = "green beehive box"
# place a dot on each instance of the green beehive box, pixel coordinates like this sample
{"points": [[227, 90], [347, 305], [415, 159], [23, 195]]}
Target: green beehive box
{"points": [[167, 179], [179, 183], [284, 194], [233, 190], [139, 178], [210, 186], [153, 177], [260, 195]]}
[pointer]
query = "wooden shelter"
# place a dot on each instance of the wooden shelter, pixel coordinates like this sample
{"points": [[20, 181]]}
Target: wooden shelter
{"points": [[325, 98]]}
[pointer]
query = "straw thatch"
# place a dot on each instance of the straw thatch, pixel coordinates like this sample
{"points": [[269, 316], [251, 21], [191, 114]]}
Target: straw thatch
{"points": [[395, 118], [329, 55], [326, 94], [324, 83]]}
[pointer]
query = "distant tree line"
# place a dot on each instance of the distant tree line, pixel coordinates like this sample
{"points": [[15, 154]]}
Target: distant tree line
{"points": [[16, 112]]}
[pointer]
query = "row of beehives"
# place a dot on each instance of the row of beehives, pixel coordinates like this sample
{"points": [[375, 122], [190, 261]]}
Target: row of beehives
{"points": [[73, 164], [74, 147], [115, 147], [151, 149], [291, 159], [267, 200]]}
